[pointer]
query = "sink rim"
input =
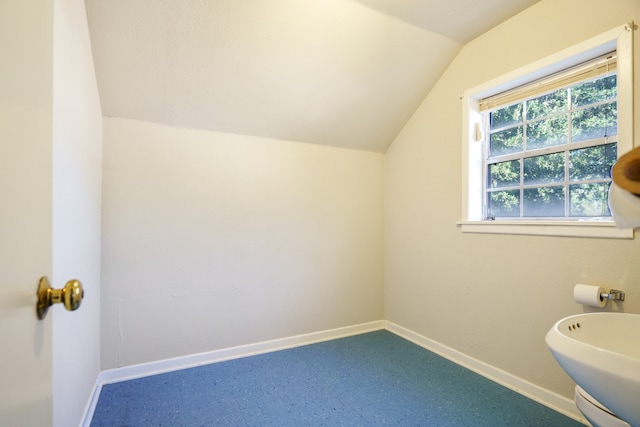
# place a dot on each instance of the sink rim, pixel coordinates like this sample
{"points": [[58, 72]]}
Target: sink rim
{"points": [[561, 337], [575, 341], [611, 377]]}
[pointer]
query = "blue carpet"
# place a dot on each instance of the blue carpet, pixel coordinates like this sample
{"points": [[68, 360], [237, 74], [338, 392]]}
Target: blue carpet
{"points": [[371, 379]]}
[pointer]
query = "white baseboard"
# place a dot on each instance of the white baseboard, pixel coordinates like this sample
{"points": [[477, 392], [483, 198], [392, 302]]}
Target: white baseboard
{"points": [[168, 365], [545, 397], [536, 393], [91, 404]]}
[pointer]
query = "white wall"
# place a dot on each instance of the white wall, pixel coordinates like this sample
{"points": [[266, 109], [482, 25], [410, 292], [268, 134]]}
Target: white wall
{"points": [[215, 240], [26, 94], [493, 297], [77, 170]]}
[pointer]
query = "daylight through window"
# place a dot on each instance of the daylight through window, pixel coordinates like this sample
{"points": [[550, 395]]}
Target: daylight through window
{"points": [[549, 146]]}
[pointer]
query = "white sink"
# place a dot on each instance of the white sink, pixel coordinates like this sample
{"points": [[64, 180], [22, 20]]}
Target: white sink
{"points": [[601, 352]]}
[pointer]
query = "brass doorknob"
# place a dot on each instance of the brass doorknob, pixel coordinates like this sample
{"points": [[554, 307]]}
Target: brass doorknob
{"points": [[71, 296]]}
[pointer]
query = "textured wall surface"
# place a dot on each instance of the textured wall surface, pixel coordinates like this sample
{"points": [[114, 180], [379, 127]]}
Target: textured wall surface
{"points": [[216, 240], [493, 297], [77, 206]]}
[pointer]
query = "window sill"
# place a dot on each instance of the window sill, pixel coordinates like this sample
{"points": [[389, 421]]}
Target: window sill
{"points": [[594, 229]]}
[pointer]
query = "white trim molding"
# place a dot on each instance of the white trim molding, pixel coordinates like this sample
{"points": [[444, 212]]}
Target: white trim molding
{"points": [[183, 362], [619, 39], [593, 229], [545, 397], [536, 393]]}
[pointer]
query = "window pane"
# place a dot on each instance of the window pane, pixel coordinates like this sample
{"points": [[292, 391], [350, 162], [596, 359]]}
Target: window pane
{"points": [[546, 105], [592, 163], [506, 116], [594, 91], [545, 133], [589, 199], [506, 142], [595, 122], [544, 201], [544, 169], [504, 174], [504, 203]]}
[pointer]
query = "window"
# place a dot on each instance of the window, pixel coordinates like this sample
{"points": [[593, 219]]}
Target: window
{"points": [[539, 143], [549, 154]]}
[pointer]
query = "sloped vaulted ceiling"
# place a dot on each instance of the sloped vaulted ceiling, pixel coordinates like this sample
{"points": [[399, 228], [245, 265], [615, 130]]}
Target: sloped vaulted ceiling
{"points": [[345, 73]]}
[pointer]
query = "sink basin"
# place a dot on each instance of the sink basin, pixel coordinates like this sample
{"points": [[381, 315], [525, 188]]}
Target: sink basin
{"points": [[601, 353]]}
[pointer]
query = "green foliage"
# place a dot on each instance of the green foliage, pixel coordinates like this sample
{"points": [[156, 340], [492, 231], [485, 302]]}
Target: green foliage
{"points": [[595, 122], [506, 141], [504, 174], [544, 201], [592, 163], [506, 116], [504, 203], [547, 105], [547, 132], [589, 199], [544, 169], [594, 91], [543, 182]]}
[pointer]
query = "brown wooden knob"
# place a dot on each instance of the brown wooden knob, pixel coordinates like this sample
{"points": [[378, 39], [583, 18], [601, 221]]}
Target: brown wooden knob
{"points": [[626, 172]]}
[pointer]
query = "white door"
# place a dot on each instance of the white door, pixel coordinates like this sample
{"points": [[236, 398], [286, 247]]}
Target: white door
{"points": [[26, 55]]}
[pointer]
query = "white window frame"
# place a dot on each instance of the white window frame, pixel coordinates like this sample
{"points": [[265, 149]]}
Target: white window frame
{"points": [[619, 39]]}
